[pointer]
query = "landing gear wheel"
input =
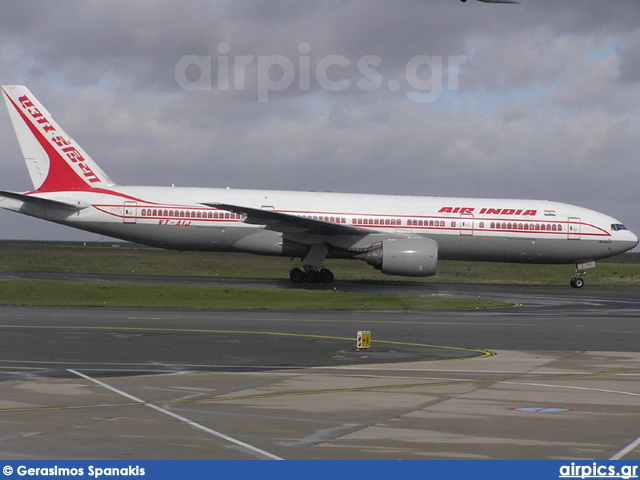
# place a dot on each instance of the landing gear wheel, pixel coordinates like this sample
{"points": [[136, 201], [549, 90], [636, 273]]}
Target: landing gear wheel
{"points": [[326, 275], [296, 275], [313, 276], [577, 282]]}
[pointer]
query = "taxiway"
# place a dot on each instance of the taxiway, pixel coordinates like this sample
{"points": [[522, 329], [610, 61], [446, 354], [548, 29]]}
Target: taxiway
{"points": [[554, 378]]}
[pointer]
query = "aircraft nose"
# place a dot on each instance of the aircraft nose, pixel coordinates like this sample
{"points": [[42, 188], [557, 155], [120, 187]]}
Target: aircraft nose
{"points": [[624, 241], [631, 242]]}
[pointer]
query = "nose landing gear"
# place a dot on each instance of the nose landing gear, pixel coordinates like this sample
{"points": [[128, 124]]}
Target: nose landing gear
{"points": [[577, 281]]}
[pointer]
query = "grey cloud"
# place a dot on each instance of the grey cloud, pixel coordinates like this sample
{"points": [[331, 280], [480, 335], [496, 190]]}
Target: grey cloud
{"points": [[533, 116]]}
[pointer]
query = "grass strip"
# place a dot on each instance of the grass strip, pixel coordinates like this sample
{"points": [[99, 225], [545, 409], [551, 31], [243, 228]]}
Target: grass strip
{"points": [[126, 258], [60, 293]]}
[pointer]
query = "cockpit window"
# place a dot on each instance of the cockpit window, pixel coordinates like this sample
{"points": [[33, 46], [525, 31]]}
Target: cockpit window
{"points": [[617, 226]]}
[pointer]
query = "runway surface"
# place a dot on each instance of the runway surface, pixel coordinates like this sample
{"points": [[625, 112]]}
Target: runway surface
{"points": [[553, 378]]}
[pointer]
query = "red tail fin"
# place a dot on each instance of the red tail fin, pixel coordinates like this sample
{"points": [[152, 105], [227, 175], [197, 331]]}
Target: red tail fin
{"points": [[54, 160]]}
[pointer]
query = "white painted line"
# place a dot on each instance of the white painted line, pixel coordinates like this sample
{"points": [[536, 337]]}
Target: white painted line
{"points": [[179, 417], [617, 392], [633, 445]]}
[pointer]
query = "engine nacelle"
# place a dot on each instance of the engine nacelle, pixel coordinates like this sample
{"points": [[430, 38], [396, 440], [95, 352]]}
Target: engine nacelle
{"points": [[408, 257]]}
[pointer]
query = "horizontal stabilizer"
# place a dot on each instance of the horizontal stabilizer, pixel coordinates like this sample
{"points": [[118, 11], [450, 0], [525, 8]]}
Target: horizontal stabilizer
{"points": [[44, 202]]}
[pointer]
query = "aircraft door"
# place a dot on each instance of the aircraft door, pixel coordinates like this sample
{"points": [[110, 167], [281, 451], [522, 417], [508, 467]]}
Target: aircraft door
{"points": [[130, 212], [466, 224], [574, 230]]}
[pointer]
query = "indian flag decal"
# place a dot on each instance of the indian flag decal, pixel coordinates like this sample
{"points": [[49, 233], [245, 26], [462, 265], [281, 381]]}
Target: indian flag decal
{"points": [[549, 213]]}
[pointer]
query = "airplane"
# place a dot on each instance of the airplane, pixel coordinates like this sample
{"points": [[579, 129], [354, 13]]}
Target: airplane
{"points": [[398, 235]]}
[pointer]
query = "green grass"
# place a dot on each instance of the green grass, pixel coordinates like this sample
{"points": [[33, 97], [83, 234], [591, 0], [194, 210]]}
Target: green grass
{"points": [[123, 258], [129, 258], [97, 294]]}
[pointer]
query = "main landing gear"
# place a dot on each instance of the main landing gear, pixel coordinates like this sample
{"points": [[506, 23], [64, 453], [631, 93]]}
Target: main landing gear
{"points": [[311, 275], [313, 271]]}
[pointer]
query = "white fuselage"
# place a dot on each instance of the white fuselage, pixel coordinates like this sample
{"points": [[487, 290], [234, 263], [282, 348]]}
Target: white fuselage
{"points": [[513, 230]]}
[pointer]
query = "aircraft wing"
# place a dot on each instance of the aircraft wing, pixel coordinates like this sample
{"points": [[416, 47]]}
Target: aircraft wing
{"points": [[286, 223], [44, 202]]}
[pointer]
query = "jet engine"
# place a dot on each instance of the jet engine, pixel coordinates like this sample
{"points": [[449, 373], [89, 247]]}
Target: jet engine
{"points": [[405, 256]]}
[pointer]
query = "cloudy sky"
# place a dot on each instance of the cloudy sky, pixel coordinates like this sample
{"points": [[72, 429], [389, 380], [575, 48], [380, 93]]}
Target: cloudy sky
{"points": [[417, 97]]}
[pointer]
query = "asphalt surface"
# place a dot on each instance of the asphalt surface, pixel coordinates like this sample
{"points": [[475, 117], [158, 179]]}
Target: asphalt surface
{"points": [[554, 377]]}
